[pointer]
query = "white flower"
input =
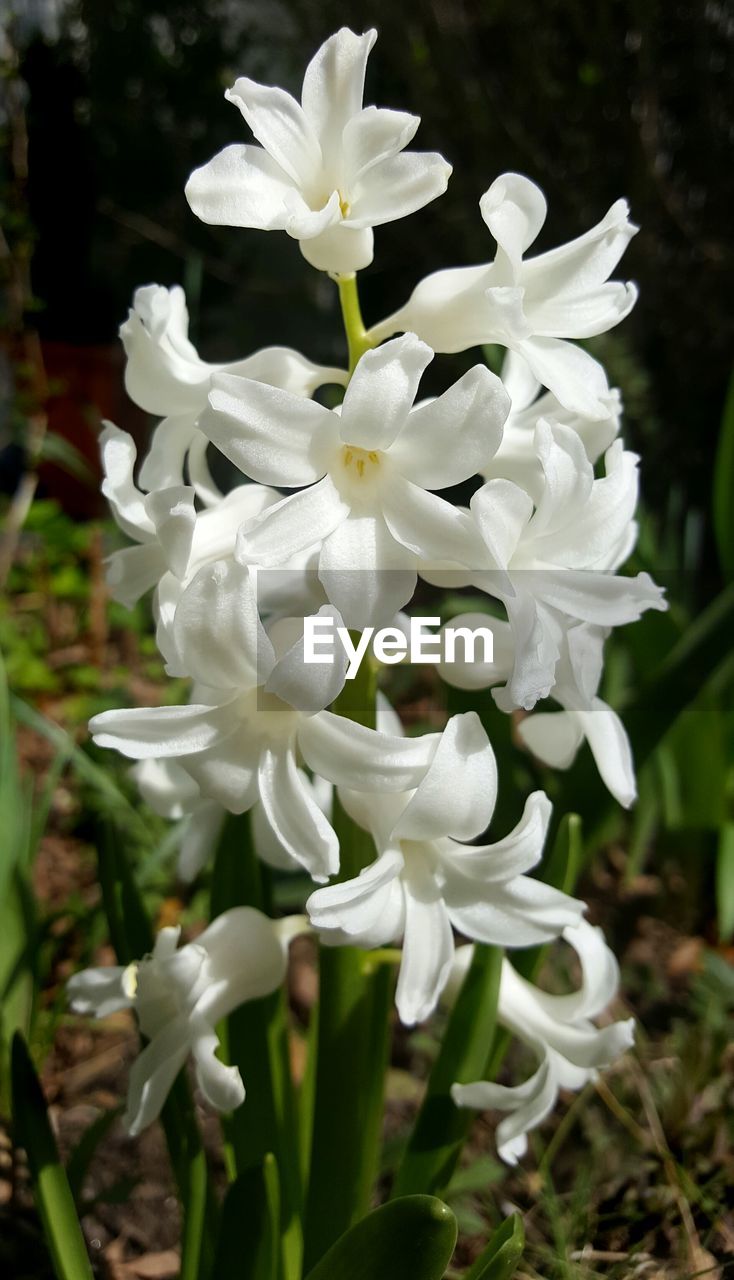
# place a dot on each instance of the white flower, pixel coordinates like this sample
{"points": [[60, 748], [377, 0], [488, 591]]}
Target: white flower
{"points": [[559, 1030], [560, 553], [166, 376], [328, 170], [171, 793], [162, 522], [555, 736], [529, 306], [517, 458], [424, 881], [179, 996], [258, 709], [373, 464]]}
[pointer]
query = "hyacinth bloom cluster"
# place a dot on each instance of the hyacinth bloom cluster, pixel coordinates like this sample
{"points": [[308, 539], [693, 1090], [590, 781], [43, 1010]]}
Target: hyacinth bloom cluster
{"points": [[335, 514]]}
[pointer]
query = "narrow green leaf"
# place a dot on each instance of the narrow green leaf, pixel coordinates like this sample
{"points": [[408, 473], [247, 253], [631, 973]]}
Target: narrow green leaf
{"points": [[53, 1196], [725, 882], [57, 449], [351, 1046], [561, 869], [724, 486], [698, 658], [412, 1237], [131, 933], [500, 1259], [249, 1233], [441, 1127], [256, 1038]]}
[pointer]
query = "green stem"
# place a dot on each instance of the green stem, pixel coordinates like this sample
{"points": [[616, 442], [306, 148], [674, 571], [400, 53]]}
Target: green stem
{"points": [[358, 339], [194, 1218], [257, 1041], [441, 1127], [351, 1047]]}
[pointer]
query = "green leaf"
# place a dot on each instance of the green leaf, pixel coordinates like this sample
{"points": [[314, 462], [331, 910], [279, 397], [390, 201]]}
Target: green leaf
{"points": [[349, 1045], [249, 1234], [441, 1127], [561, 869], [696, 660], [725, 882], [256, 1038], [57, 449], [412, 1237], [500, 1258], [53, 1196], [724, 486]]}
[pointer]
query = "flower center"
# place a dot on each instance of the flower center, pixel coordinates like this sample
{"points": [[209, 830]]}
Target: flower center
{"points": [[360, 462], [344, 206]]}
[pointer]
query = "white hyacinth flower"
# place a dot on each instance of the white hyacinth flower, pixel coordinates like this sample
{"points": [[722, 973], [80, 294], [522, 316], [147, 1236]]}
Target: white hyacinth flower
{"points": [[560, 554], [529, 305], [370, 467], [559, 1030], [328, 169], [424, 881], [258, 710], [555, 736], [179, 996], [162, 523], [517, 458], [167, 377]]}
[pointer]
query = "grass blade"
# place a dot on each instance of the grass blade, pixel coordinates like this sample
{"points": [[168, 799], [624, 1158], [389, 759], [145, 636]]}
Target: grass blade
{"points": [[51, 1188]]}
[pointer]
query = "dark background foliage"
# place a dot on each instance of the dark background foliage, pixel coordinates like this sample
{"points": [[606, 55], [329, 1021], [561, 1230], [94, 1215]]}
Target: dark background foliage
{"points": [[591, 99]]}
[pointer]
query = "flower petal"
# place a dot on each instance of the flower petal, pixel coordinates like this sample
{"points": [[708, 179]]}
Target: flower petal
{"points": [[282, 127], [340, 249], [428, 947], [200, 838], [363, 907], [221, 1085], [435, 530], [470, 414], [153, 1073], [351, 755], [227, 771], [292, 525], [220, 639], [133, 571], [98, 992], [333, 87], [583, 263], [163, 465], [241, 186], [142, 732], [373, 136], [309, 686], [127, 503], [514, 209], [271, 435], [296, 819], [520, 913], [396, 187], [381, 392], [516, 854], [367, 575], [458, 793]]}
